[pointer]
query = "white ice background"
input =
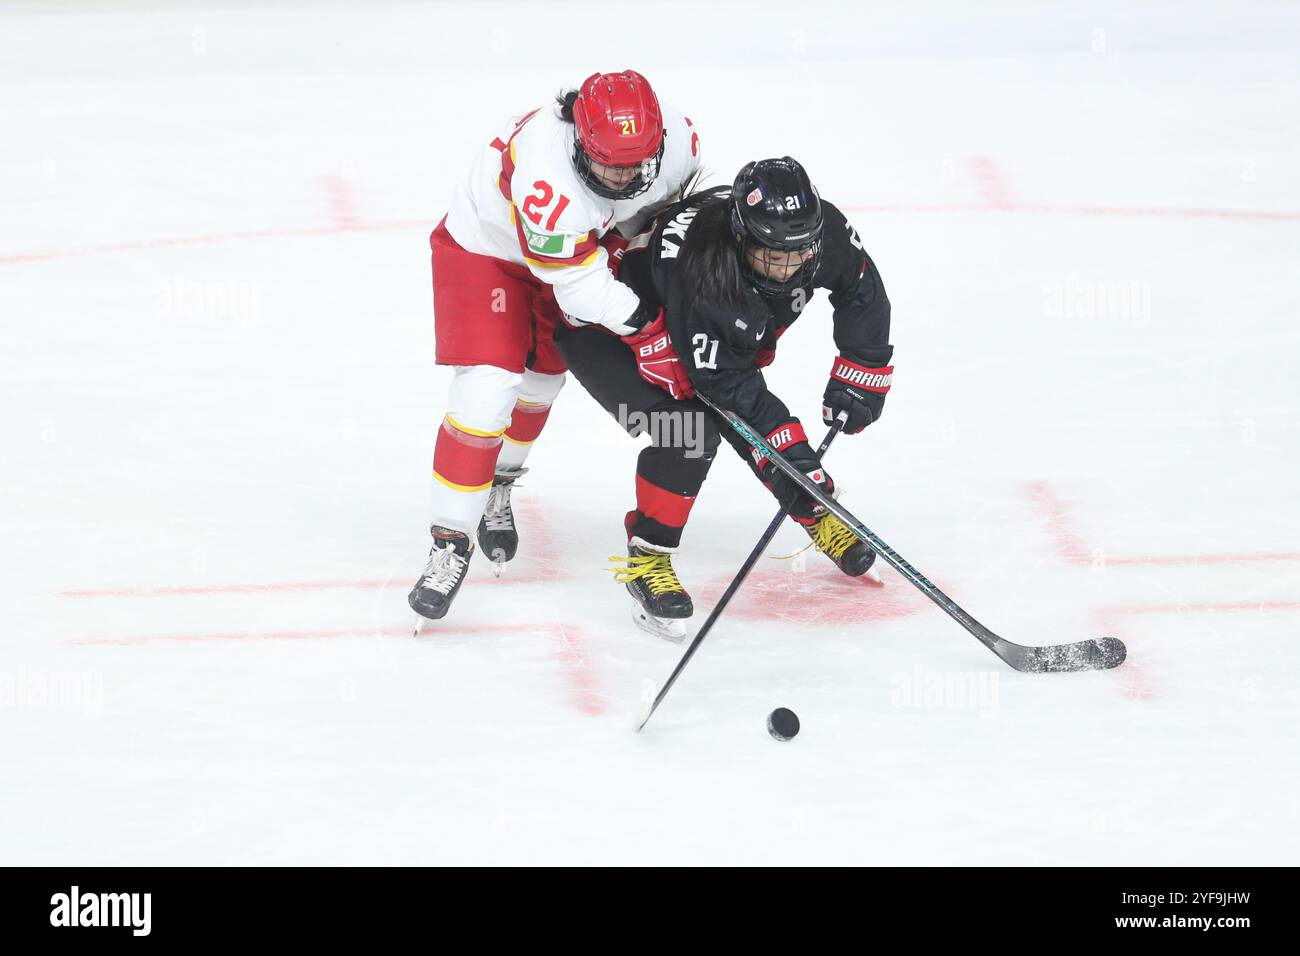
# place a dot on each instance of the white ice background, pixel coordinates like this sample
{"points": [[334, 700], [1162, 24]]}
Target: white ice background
{"points": [[218, 405]]}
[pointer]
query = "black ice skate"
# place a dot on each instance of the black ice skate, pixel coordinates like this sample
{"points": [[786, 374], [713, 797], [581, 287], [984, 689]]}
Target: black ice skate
{"points": [[832, 537], [662, 603], [497, 536], [448, 561]]}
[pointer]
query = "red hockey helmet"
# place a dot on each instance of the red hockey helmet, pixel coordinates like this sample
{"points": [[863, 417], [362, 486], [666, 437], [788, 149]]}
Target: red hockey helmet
{"points": [[617, 124]]}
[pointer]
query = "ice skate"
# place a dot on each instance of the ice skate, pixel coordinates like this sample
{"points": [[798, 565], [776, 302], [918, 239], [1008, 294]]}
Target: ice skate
{"points": [[834, 539], [661, 603], [448, 563], [498, 538]]}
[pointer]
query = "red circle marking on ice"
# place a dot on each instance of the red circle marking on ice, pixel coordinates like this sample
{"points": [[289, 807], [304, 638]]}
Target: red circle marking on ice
{"points": [[816, 597]]}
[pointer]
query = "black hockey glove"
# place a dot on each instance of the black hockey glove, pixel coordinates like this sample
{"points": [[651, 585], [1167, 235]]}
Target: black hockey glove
{"points": [[793, 445], [857, 390]]}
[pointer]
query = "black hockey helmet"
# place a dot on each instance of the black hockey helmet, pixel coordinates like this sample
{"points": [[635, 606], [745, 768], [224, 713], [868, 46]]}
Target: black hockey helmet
{"points": [[775, 209]]}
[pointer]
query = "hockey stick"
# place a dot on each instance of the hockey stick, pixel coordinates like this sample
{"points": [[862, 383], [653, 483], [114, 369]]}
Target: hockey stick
{"points": [[732, 588], [1088, 655]]}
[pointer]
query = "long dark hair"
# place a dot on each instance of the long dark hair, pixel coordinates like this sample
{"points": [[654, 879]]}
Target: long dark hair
{"points": [[565, 100], [710, 257]]}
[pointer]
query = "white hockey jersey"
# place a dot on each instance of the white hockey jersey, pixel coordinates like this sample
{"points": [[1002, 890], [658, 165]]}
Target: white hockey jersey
{"points": [[523, 202]]}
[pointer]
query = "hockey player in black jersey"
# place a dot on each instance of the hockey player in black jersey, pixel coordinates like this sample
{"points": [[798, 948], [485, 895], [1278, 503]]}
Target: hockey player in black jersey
{"points": [[733, 269]]}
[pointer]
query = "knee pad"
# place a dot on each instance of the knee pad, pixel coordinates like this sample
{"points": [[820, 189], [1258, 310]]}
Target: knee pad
{"points": [[539, 389], [482, 397]]}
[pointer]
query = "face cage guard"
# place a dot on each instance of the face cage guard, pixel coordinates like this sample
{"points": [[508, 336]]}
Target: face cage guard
{"points": [[765, 284], [634, 187]]}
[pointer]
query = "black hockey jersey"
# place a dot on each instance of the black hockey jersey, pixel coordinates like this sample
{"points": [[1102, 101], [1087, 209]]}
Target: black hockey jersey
{"points": [[719, 346]]}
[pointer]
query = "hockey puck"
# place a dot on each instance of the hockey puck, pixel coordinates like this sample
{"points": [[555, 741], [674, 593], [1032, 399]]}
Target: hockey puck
{"points": [[782, 723]]}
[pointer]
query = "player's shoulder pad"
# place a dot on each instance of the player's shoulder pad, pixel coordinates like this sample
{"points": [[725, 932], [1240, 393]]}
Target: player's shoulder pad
{"points": [[682, 149], [837, 224], [542, 178], [842, 246]]}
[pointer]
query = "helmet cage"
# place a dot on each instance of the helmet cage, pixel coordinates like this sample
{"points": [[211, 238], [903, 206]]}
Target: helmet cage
{"points": [[647, 171], [759, 274]]}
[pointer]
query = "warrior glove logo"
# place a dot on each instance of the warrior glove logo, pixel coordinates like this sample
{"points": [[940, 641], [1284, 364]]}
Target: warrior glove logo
{"points": [[871, 379]]}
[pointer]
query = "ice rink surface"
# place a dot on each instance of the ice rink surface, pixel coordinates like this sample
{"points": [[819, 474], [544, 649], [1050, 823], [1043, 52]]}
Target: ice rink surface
{"points": [[218, 404]]}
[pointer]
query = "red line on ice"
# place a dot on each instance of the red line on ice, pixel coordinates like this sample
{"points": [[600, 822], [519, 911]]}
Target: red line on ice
{"points": [[1067, 542], [1048, 209], [542, 567], [991, 183], [1176, 559], [341, 199], [818, 596], [1209, 607], [568, 641], [136, 245], [1136, 682], [1018, 208], [538, 559], [251, 635], [572, 642], [538, 563], [1074, 548], [584, 685], [221, 589]]}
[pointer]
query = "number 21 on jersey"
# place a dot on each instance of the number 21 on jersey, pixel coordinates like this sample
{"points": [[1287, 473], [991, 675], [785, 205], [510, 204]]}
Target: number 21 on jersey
{"points": [[702, 343], [538, 200]]}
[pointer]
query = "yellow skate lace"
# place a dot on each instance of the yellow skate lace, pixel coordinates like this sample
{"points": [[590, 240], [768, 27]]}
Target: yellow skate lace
{"points": [[832, 536], [832, 539], [657, 569]]}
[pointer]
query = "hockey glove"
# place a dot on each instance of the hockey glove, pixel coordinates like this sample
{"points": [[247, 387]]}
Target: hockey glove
{"points": [[657, 361], [857, 390], [793, 445]]}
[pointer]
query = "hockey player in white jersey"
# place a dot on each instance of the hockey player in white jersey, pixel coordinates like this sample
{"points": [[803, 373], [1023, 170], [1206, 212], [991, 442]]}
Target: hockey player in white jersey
{"points": [[528, 235]]}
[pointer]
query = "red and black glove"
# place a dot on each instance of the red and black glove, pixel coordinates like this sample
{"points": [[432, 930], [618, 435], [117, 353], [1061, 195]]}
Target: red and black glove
{"points": [[615, 245], [657, 361], [792, 443], [857, 390]]}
